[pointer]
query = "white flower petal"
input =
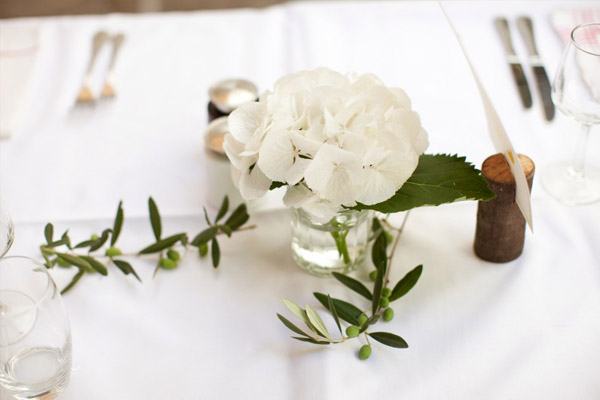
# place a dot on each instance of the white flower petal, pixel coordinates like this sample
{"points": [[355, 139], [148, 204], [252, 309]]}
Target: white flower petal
{"points": [[297, 195], [253, 184], [245, 121], [276, 155], [331, 174]]}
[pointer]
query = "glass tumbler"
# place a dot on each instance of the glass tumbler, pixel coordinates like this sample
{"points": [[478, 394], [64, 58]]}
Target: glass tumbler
{"points": [[35, 339]]}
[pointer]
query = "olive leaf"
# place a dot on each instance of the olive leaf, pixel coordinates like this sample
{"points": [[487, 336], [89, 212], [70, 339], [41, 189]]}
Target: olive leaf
{"points": [[126, 268], [310, 340], [49, 232], [405, 284], [74, 281], [101, 240], [317, 322], [333, 311], [290, 325], [96, 265], [118, 224], [354, 285], [163, 243], [155, 219], [215, 252], [223, 209], [389, 339], [238, 217], [75, 260], [205, 236], [346, 311]]}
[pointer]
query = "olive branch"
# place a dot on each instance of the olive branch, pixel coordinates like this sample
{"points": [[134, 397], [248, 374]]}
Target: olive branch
{"points": [[380, 298], [91, 256]]}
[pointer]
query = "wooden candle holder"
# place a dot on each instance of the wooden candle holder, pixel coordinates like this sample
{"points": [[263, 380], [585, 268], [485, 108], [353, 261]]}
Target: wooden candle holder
{"points": [[500, 231]]}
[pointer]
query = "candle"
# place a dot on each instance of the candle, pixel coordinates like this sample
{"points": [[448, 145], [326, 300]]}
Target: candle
{"points": [[226, 96]]}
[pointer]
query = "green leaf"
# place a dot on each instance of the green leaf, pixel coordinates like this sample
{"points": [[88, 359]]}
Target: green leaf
{"points": [[333, 311], [205, 236], [126, 268], [155, 219], [389, 339], [223, 210], [309, 340], [438, 179], [66, 239], [49, 232], [118, 224], [353, 284], [74, 281], [407, 283], [346, 311], [296, 309], [101, 240], [215, 253], [85, 243], [379, 252], [76, 261], [291, 326], [163, 243], [317, 322], [378, 288], [238, 217], [226, 230], [206, 216], [96, 265], [275, 185]]}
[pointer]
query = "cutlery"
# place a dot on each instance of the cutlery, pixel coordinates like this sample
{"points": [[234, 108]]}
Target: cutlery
{"points": [[85, 95], [525, 26], [108, 90], [513, 61]]}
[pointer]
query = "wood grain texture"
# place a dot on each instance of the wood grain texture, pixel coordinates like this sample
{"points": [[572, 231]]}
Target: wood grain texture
{"points": [[500, 230]]}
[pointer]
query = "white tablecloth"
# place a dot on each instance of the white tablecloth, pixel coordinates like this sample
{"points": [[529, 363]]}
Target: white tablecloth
{"points": [[526, 329]]}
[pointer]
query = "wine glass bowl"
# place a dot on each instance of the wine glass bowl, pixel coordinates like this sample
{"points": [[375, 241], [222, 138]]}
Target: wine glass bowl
{"points": [[576, 93]]}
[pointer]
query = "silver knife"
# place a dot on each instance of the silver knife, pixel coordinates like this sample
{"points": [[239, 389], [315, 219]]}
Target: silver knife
{"points": [[525, 26], [513, 61]]}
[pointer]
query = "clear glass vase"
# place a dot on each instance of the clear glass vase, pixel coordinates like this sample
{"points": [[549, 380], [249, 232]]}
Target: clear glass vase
{"points": [[339, 245]]}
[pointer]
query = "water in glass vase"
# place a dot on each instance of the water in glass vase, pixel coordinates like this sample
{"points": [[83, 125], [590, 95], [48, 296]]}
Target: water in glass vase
{"points": [[339, 245]]}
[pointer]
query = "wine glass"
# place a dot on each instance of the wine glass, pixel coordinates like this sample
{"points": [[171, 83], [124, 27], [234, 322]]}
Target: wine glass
{"points": [[576, 93], [35, 339]]}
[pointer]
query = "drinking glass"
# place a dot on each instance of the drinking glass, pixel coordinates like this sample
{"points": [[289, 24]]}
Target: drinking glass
{"points": [[35, 339], [576, 93], [7, 234]]}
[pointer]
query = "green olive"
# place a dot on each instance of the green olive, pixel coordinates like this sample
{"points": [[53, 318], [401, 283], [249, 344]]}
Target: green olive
{"points": [[362, 319], [388, 314], [173, 255], [167, 263], [113, 252], [373, 275], [352, 331], [384, 302], [386, 292], [94, 237], [364, 352]]}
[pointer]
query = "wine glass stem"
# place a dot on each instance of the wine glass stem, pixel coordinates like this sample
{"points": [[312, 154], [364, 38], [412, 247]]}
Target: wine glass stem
{"points": [[578, 165]]}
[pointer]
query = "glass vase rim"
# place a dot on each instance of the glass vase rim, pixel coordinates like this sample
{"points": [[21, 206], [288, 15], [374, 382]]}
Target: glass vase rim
{"points": [[576, 43], [50, 286]]}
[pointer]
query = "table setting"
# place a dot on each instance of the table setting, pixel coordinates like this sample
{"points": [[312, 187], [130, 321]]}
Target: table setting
{"points": [[313, 200]]}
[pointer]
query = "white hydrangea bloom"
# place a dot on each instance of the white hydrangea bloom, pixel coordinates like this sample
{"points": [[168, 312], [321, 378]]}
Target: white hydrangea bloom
{"points": [[335, 140]]}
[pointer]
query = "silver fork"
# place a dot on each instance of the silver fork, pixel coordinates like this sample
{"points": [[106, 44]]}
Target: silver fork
{"points": [[85, 95]]}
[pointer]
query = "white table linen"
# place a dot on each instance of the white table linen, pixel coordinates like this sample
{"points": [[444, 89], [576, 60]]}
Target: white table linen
{"points": [[526, 329]]}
